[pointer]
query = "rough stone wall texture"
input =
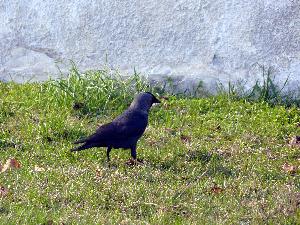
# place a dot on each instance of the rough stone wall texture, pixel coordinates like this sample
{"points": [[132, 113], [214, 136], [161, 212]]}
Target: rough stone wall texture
{"points": [[209, 40]]}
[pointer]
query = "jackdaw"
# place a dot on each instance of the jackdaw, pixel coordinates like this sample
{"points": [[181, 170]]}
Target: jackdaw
{"points": [[125, 130]]}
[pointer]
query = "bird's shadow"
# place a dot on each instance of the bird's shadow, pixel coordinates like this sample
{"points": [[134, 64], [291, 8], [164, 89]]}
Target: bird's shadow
{"points": [[190, 156], [211, 161]]}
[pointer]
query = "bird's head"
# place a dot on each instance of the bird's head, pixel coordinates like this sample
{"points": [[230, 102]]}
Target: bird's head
{"points": [[144, 101]]}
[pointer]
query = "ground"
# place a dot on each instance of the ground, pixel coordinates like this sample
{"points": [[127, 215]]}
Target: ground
{"points": [[213, 160]]}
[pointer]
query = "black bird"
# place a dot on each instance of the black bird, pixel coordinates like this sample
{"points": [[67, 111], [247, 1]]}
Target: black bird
{"points": [[125, 130]]}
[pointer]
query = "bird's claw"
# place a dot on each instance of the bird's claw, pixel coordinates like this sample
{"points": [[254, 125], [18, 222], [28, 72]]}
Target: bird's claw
{"points": [[135, 162]]}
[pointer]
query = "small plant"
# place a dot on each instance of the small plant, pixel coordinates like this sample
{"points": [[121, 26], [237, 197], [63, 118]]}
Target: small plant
{"points": [[267, 90]]}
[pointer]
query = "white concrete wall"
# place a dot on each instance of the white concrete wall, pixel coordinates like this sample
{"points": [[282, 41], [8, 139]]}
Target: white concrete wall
{"points": [[209, 40]]}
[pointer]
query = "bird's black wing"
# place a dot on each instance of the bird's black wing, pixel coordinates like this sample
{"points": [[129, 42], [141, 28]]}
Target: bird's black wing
{"points": [[104, 132], [128, 125]]}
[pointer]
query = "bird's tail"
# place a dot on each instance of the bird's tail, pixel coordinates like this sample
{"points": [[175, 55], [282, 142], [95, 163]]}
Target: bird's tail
{"points": [[82, 147], [81, 141]]}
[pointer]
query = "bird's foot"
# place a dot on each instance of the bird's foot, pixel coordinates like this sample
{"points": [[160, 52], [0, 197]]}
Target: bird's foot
{"points": [[134, 162]]}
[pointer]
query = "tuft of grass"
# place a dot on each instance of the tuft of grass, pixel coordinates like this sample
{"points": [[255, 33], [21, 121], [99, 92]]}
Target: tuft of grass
{"points": [[214, 160], [264, 90], [95, 92]]}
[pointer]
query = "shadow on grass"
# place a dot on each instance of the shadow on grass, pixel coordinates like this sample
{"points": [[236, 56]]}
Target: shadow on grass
{"points": [[212, 162], [176, 162], [198, 156]]}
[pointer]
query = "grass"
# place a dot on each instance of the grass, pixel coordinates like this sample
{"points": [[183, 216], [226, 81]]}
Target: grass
{"points": [[265, 89], [214, 160]]}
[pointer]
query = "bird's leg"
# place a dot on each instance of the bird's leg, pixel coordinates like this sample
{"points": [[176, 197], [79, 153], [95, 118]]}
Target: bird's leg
{"points": [[133, 160], [133, 152], [107, 153]]}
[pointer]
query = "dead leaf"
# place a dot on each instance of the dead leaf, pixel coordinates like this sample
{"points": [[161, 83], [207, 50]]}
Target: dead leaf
{"points": [[295, 141], [3, 191], [185, 138], [216, 190], [289, 168], [98, 172], [39, 169], [11, 163]]}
